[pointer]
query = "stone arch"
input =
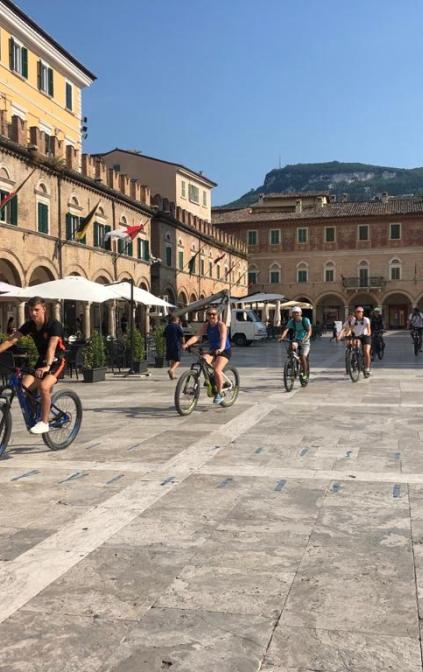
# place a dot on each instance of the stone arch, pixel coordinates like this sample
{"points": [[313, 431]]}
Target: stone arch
{"points": [[307, 312], [74, 201], [125, 275], [76, 269], [143, 283], [365, 299], [11, 267], [41, 270], [330, 306], [396, 308], [103, 276], [171, 294], [5, 173], [42, 188]]}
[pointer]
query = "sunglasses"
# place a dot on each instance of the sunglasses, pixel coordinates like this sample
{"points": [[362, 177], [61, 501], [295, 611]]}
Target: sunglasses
{"points": [[211, 314]]}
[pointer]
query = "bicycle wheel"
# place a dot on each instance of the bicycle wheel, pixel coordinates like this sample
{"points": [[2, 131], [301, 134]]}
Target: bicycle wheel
{"points": [[187, 392], [354, 365], [289, 374], [64, 420], [5, 427], [230, 386]]}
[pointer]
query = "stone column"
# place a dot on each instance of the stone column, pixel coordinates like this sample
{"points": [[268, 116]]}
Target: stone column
{"points": [[112, 319], [57, 310], [87, 319], [277, 318], [266, 313], [347, 312], [21, 313]]}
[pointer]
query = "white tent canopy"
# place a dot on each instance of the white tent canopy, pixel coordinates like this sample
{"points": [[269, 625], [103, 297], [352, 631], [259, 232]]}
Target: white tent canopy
{"points": [[260, 298], [122, 290], [291, 304], [70, 288], [5, 287]]}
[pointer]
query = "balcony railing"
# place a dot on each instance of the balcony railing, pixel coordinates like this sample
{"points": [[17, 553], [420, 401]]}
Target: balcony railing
{"points": [[372, 282]]}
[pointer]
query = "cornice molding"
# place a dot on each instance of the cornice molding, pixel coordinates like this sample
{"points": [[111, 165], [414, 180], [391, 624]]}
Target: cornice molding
{"points": [[40, 46]]}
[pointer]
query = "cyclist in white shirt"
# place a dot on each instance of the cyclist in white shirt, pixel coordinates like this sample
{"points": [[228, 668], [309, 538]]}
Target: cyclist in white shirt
{"points": [[415, 319], [359, 326]]}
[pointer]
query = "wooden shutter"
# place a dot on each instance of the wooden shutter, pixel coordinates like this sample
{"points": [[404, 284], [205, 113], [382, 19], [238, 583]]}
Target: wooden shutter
{"points": [[139, 241], [42, 218], [14, 211], [68, 226], [24, 57], [68, 96], [11, 53], [96, 234], [108, 242], [146, 250], [50, 82], [130, 249], [39, 75]]}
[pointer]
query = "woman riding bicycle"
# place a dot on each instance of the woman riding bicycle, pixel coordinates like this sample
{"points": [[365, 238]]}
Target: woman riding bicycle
{"points": [[358, 326], [219, 347]]}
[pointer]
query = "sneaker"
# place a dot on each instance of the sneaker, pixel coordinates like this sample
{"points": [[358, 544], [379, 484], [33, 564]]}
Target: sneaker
{"points": [[367, 372], [218, 399], [40, 428]]}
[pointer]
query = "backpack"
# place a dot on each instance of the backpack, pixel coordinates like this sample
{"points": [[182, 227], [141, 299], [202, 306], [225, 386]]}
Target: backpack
{"points": [[305, 327]]}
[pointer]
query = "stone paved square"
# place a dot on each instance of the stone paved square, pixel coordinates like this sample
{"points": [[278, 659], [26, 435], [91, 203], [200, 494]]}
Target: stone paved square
{"points": [[281, 535]]}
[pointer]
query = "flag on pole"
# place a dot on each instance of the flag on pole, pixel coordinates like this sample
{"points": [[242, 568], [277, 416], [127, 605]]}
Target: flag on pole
{"points": [[85, 223], [229, 271], [129, 233], [191, 263], [5, 200], [219, 258]]}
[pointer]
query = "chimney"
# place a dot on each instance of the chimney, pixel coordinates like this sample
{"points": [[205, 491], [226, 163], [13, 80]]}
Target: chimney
{"points": [[298, 206]]}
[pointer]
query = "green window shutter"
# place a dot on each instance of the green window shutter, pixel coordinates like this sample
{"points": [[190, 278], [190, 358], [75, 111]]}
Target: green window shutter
{"points": [[14, 211], [11, 53], [108, 242], [68, 96], [168, 256], [24, 56], [42, 218], [121, 245], [50, 82], [68, 226], [146, 250], [39, 75], [139, 248], [130, 249], [96, 234]]}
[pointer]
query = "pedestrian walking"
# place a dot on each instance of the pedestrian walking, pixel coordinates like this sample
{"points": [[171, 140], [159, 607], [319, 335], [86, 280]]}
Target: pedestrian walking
{"points": [[174, 336]]}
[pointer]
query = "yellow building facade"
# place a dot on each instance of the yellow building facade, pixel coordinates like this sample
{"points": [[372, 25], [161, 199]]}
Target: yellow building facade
{"points": [[40, 84]]}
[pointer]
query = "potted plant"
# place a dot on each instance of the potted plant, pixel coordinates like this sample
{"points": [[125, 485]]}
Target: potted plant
{"points": [[160, 345], [139, 363], [94, 369]]}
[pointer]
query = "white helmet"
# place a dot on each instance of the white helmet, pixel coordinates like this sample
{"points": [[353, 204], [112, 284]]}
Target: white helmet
{"points": [[296, 309]]}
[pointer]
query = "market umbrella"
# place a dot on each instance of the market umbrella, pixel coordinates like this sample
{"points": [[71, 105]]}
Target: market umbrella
{"points": [[5, 287], [291, 304], [70, 288], [122, 290]]}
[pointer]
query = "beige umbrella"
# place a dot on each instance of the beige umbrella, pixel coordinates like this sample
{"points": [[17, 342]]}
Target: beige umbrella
{"points": [[291, 304]]}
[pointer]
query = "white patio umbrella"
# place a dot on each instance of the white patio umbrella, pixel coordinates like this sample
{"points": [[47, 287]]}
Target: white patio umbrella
{"points": [[291, 304], [122, 290], [5, 287], [70, 288]]}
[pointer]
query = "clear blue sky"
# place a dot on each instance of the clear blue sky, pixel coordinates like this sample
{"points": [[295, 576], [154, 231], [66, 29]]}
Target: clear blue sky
{"points": [[226, 86]]}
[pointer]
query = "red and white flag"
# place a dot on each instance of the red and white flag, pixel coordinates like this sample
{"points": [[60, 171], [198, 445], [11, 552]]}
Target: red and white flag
{"points": [[128, 233]]}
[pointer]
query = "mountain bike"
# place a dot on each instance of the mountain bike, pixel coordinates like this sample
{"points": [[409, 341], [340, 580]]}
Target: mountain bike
{"points": [[187, 392], [65, 411], [354, 360], [416, 335], [293, 369], [378, 345]]}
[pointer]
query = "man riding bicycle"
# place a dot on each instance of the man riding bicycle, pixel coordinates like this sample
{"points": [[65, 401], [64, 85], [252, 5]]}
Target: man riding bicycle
{"points": [[299, 329], [415, 323], [220, 348], [358, 326], [48, 338]]}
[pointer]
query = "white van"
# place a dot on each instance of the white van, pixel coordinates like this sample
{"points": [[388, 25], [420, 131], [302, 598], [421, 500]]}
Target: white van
{"points": [[246, 327]]}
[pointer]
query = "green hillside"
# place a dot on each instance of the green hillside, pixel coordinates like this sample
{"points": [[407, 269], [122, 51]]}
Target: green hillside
{"points": [[359, 181]]}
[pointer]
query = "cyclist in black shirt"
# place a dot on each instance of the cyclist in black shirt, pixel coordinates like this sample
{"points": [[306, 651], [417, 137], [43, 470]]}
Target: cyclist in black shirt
{"points": [[48, 338]]}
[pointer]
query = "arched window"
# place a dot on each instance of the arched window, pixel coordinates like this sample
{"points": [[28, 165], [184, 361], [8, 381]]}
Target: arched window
{"points": [[302, 272], [363, 274], [275, 274], [395, 269], [123, 220], [43, 208], [329, 272]]}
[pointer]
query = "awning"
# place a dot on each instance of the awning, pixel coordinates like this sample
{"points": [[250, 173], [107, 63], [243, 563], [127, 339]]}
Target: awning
{"points": [[70, 288], [122, 290]]}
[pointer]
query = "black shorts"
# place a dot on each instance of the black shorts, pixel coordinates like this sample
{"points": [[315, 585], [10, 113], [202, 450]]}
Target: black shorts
{"points": [[225, 353], [56, 369], [365, 340]]}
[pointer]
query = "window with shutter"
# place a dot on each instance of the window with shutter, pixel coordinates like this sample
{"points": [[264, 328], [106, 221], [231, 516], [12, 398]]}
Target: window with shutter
{"points": [[139, 248], [168, 256], [68, 96], [181, 260], [24, 69], [11, 53], [108, 243], [50, 82], [96, 234], [42, 217], [69, 232], [146, 250]]}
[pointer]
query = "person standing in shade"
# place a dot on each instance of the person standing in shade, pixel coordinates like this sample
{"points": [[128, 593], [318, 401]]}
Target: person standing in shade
{"points": [[174, 336]]}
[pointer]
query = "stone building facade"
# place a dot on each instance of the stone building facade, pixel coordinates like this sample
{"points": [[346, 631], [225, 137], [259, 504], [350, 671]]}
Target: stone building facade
{"points": [[336, 255]]}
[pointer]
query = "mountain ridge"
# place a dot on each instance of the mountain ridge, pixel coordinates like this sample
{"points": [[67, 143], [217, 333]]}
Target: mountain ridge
{"points": [[355, 181]]}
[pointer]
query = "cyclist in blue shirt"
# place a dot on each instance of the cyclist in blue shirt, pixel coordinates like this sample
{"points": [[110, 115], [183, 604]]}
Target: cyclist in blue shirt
{"points": [[219, 347], [299, 329]]}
